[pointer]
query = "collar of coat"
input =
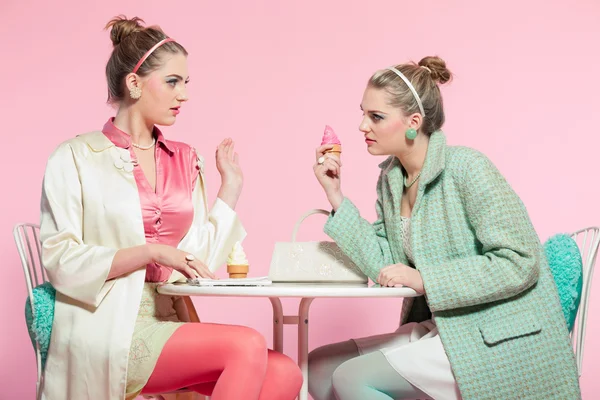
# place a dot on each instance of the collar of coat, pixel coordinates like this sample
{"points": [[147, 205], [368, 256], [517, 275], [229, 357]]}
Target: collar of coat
{"points": [[435, 160], [97, 141]]}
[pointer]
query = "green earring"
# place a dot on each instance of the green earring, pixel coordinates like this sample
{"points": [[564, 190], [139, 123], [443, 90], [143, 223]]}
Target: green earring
{"points": [[411, 133]]}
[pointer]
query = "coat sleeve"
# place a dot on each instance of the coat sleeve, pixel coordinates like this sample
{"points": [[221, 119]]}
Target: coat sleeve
{"points": [[510, 252], [364, 243], [213, 232], [76, 269]]}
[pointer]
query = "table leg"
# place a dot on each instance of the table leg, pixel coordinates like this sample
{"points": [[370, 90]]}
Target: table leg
{"points": [[277, 324], [303, 344]]}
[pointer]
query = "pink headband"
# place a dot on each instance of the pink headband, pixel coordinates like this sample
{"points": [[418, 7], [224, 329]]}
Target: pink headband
{"points": [[156, 46]]}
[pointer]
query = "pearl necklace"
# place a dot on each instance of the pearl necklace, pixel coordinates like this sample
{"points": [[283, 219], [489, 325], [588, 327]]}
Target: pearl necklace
{"points": [[407, 185], [144, 147]]}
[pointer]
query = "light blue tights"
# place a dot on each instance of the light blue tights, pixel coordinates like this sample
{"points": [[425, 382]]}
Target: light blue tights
{"points": [[338, 372]]}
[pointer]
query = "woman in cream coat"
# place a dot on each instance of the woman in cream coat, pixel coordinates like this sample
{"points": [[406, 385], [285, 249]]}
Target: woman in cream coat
{"points": [[124, 209]]}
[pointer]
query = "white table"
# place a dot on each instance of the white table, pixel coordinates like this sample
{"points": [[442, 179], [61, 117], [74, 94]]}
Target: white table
{"points": [[306, 291]]}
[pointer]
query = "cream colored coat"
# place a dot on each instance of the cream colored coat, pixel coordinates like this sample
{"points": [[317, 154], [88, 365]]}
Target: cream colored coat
{"points": [[89, 210]]}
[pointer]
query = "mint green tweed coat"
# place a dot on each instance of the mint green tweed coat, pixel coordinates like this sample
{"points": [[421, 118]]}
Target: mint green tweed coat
{"points": [[486, 278]]}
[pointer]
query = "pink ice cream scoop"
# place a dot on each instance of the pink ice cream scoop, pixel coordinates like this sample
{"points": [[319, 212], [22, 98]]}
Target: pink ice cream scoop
{"points": [[329, 137]]}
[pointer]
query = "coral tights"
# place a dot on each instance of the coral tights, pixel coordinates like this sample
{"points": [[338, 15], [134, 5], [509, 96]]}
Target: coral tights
{"points": [[224, 362]]}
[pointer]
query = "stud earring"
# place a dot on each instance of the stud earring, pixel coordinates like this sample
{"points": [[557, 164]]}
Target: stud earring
{"points": [[135, 92], [411, 133]]}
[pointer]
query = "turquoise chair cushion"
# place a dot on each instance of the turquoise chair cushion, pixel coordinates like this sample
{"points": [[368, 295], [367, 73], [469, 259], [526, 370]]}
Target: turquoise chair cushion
{"points": [[566, 265], [40, 327]]}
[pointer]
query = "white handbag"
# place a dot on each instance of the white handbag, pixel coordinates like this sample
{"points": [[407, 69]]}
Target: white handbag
{"points": [[317, 261]]}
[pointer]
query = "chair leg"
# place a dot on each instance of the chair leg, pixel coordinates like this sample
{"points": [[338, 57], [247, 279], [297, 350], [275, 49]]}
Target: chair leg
{"points": [[191, 309]]}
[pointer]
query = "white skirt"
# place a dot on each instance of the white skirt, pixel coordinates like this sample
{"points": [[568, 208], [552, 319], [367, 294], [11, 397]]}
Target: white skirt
{"points": [[416, 352]]}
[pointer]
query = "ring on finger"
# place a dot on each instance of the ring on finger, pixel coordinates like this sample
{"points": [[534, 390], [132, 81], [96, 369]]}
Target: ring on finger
{"points": [[321, 160], [189, 258]]}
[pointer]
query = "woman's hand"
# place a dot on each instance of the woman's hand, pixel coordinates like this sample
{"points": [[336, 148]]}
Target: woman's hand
{"points": [[328, 170], [172, 257], [232, 178], [401, 275]]}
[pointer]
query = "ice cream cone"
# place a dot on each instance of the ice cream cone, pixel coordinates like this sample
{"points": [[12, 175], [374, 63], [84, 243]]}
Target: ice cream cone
{"points": [[330, 138], [237, 262]]}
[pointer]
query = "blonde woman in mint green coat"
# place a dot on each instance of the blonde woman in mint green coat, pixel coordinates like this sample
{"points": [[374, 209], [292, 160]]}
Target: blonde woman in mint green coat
{"points": [[489, 324]]}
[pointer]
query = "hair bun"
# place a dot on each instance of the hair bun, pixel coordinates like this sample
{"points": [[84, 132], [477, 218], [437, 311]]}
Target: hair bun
{"points": [[439, 72], [121, 27]]}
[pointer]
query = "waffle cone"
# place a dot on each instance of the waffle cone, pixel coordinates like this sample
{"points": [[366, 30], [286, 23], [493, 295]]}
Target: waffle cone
{"points": [[237, 271], [337, 150]]}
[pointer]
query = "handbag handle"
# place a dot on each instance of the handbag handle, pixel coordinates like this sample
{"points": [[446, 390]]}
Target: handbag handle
{"points": [[302, 218]]}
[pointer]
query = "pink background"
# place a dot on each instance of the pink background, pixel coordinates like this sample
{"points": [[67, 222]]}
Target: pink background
{"points": [[271, 74]]}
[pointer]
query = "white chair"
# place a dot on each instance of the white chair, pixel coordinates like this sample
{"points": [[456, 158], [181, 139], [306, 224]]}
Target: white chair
{"points": [[28, 245], [588, 240], [27, 238]]}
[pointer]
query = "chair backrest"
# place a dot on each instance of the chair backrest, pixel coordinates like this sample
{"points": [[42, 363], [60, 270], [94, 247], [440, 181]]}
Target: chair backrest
{"points": [[588, 240], [27, 239]]}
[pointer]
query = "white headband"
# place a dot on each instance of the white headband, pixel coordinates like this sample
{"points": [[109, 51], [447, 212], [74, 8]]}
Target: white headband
{"points": [[411, 87]]}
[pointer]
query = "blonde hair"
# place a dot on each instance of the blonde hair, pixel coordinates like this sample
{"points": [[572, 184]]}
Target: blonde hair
{"points": [[425, 77], [131, 40]]}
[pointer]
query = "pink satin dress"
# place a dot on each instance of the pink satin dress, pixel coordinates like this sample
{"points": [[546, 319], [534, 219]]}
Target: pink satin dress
{"points": [[167, 211]]}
